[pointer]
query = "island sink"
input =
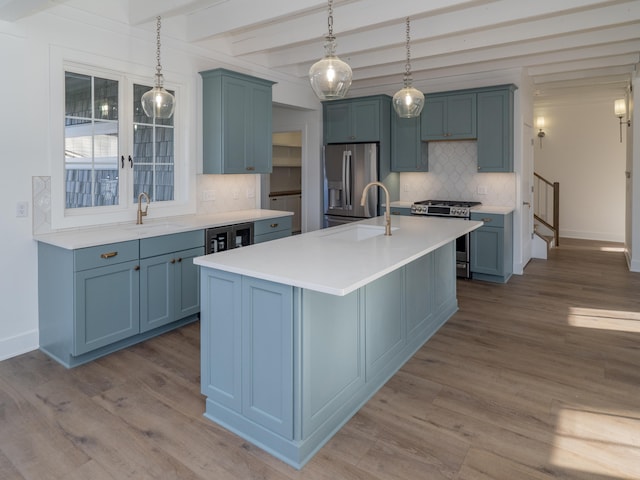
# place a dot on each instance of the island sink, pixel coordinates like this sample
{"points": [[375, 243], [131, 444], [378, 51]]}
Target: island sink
{"points": [[357, 233]]}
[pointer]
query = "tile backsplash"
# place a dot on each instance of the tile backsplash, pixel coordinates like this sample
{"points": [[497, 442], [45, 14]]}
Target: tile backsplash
{"points": [[226, 193], [453, 175]]}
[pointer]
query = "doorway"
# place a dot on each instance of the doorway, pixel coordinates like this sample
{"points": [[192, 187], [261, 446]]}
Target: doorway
{"points": [[284, 190]]}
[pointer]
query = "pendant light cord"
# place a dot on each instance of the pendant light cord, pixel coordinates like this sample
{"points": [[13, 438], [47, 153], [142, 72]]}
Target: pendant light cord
{"points": [[407, 72], [158, 66], [330, 36]]}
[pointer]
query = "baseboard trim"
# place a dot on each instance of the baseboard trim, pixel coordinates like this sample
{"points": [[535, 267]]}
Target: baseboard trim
{"points": [[23, 343]]}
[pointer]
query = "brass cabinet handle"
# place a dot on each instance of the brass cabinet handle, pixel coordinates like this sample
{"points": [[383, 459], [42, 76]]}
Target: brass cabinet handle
{"points": [[136, 268], [486, 220], [179, 259], [108, 255], [173, 260], [274, 225], [251, 168]]}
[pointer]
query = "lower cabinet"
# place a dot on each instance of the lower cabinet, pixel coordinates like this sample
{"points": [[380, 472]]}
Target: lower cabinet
{"points": [[96, 300], [401, 211], [289, 203], [285, 367], [492, 247], [271, 229]]}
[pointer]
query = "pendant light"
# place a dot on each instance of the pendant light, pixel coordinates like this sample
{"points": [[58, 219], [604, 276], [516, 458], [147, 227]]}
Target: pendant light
{"points": [[157, 102], [408, 101], [330, 77]]}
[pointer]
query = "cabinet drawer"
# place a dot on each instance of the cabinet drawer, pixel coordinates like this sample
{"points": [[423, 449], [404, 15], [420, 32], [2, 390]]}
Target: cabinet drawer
{"points": [[102, 255], [270, 225], [490, 219], [150, 247]]}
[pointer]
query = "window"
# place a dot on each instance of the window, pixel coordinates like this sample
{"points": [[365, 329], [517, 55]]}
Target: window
{"points": [[153, 167], [97, 174], [91, 141]]}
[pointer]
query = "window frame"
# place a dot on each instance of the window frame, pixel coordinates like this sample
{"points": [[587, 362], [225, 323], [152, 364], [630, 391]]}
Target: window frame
{"points": [[127, 75]]}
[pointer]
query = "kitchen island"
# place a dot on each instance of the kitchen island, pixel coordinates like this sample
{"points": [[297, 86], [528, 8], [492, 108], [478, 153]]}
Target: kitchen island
{"points": [[297, 334]]}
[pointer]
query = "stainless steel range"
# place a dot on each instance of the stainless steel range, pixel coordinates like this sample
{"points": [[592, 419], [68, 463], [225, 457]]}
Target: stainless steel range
{"points": [[451, 209]]}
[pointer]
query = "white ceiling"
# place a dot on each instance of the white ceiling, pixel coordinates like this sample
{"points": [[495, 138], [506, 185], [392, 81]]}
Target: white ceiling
{"points": [[561, 44]]}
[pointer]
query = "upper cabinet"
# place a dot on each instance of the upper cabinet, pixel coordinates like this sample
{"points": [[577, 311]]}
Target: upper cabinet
{"points": [[236, 122], [356, 120], [495, 129], [408, 153], [449, 117]]}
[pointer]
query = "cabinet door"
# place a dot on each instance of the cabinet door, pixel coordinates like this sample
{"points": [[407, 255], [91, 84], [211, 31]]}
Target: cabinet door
{"points": [[221, 329], [487, 244], [495, 131], [366, 121], [236, 108], [267, 354], [337, 123], [187, 283], [407, 154], [106, 306], [384, 329], [259, 151], [433, 119], [157, 304], [449, 117], [418, 294], [461, 116]]}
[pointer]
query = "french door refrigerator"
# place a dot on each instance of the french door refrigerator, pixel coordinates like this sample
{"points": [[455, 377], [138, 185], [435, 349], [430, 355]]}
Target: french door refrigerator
{"points": [[348, 169]]}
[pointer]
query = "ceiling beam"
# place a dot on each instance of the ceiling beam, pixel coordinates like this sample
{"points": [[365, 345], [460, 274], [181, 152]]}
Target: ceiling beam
{"points": [[12, 10]]}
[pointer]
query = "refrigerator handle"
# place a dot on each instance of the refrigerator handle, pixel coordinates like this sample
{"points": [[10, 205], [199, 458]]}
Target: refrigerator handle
{"points": [[346, 178]]}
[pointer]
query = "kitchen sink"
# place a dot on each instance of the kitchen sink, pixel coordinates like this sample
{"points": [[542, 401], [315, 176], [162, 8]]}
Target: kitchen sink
{"points": [[154, 227], [357, 233]]}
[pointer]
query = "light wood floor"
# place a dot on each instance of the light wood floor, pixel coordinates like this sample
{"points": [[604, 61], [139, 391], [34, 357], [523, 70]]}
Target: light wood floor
{"points": [[536, 379]]}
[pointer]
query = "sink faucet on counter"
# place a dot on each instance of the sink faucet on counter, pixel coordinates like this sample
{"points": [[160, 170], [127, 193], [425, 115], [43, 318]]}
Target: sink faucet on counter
{"points": [[387, 215], [140, 212]]}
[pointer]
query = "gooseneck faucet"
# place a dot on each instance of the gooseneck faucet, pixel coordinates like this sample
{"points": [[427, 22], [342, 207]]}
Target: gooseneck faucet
{"points": [[140, 212], [387, 215]]}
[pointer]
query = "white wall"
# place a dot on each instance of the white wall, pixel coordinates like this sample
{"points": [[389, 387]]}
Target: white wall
{"points": [[582, 151], [26, 135]]}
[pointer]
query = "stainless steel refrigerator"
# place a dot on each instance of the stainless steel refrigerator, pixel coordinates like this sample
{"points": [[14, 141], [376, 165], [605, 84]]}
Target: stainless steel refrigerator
{"points": [[347, 170]]}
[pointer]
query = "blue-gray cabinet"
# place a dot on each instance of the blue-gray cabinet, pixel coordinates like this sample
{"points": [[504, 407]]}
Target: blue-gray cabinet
{"points": [[285, 367], [492, 247], [169, 281], [356, 120], [272, 229], [495, 129], [236, 122], [401, 211], [408, 152], [449, 117], [253, 339], [96, 300]]}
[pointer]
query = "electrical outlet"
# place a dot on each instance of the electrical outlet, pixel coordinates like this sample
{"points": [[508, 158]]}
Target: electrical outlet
{"points": [[236, 195], [22, 209], [406, 187], [208, 195], [482, 190], [251, 193]]}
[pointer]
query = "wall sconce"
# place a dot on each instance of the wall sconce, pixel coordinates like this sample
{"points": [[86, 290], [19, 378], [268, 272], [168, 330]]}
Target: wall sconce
{"points": [[620, 109], [540, 127]]}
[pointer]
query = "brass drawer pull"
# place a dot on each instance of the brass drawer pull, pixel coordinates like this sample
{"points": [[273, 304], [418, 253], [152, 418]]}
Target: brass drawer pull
{"points": [[108, 255], [486, 220], [274, 225], [251, 168]]}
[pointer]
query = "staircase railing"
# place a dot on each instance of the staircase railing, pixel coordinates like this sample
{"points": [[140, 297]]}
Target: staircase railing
{"points": [[546, 198]]}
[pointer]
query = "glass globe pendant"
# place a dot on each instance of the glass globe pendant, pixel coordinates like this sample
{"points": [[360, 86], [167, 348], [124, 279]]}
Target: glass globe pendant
{"points": [[330, 77], [408, 101], [157, 102]]}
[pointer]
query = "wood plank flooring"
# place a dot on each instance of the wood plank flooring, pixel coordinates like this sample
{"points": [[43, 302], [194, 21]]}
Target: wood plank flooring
{"points": [[537, 379]]}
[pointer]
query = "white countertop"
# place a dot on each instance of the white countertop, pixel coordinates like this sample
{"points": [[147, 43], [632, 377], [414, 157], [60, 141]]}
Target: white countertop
{"points": [[72, 239], [492, 209], [328, 261]]}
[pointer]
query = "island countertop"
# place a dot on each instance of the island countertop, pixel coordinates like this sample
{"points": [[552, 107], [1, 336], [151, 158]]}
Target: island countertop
{"points": [[339, 260]]}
